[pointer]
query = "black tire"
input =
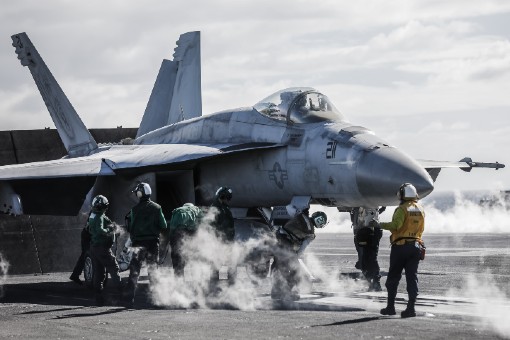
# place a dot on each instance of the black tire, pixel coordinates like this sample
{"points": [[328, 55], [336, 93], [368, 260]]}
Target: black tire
{"points": [[88, 271]]}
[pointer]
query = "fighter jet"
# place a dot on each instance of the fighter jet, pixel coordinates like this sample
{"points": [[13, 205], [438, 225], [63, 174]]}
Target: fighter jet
{"points": [[293, 147]]}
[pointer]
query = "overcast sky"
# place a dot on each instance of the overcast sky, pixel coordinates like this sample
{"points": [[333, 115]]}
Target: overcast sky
{"points": [[431, 77]]}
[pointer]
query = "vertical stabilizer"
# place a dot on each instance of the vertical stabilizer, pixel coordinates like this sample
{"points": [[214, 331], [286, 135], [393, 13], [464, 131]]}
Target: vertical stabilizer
{"points": [[187, 98], [177, 93], [76, 138], [158, 107]]}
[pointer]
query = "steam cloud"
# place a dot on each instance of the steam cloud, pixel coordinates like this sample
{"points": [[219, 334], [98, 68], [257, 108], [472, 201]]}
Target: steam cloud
{"points": [[202, 253], [460, 214], [467, 215], [455, 213], [490, 303]]}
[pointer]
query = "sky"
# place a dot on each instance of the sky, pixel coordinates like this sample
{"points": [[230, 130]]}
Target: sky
{"points": [[430, 77]]}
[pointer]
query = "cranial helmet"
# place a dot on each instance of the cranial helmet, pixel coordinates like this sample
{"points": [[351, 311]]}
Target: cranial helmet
{"points": [[407, 191], [143, 190], [320, 219], [100, 203], [224, 193]]}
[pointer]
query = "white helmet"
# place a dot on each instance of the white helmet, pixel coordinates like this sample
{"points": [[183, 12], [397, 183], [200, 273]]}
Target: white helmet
{"points": [[407, 191], [143, 190]]}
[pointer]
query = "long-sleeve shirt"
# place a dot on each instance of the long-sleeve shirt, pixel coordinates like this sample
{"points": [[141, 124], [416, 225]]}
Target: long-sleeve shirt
{"points": [[224, 221], [101, 229], [146, 221]]}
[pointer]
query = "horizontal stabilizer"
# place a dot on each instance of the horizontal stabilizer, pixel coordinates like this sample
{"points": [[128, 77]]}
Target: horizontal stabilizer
{"points": [[76, 138]]}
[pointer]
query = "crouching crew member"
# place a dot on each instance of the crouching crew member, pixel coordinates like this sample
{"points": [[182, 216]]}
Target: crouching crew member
{"points": [[292, 240], [406, 228], [145, 222], [183, 224], [102, 233]]}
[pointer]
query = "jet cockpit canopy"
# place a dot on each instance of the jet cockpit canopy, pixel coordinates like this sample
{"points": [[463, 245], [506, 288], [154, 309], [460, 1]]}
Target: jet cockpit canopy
{"points": [[299, 105]]}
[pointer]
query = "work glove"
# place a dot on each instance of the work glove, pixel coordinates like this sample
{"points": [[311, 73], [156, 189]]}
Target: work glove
{"points": [[374, 224]]}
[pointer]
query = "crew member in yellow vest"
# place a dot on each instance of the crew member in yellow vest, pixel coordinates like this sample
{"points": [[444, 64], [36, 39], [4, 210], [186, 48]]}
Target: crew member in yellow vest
{"points": [[406, 229]]}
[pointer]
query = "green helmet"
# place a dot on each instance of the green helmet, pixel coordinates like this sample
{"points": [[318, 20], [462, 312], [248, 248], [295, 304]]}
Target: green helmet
{"points": [[224, 193], [100, 203], [320, 219]]}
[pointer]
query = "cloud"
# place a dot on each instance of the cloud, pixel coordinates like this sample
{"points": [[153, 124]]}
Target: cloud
{"points": [[417, 59], [115, 47]]}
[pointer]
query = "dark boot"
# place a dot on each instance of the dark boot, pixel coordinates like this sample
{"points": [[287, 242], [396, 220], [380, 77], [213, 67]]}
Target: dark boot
{"points": [[99, 300], [76, 279], [374, 283], [409, 312], [390, 308], [375, 286]]}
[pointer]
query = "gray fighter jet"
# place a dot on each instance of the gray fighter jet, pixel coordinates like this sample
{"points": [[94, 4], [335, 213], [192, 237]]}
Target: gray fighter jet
{"points": [[293, 147]]}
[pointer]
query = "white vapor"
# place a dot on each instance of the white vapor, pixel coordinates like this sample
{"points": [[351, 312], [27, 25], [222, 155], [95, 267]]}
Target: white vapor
{"points": [[467, 215], [455, 213], [204, 252], [491, 305], [331, 280]]}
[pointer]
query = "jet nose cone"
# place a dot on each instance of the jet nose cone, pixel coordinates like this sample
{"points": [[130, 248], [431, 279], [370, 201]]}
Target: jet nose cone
{"points": [[381, 172]]}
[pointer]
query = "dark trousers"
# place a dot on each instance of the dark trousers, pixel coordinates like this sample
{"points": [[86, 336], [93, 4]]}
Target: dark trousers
{"points": [[80, 264], [359, 250], [285, 266], [85, 245], [369, 264], [406, 256], [177, 239], [104, 262], [146, 251]]}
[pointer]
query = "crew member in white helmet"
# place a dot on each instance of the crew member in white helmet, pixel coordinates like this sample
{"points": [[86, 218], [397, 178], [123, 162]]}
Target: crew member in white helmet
{"points": [[406, 228]]}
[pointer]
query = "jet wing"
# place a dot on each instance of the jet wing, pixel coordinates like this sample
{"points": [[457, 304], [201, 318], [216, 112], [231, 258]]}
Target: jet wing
{"points": [[65, 167], [59, 187], [123, 157], [466, 164], [104, 163]]}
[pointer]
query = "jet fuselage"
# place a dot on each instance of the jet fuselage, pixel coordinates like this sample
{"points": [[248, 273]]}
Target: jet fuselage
{"points": [[334, 163]]}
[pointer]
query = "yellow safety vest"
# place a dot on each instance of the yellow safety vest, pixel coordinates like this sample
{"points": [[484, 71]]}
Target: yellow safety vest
{"points": [[413, 226]]}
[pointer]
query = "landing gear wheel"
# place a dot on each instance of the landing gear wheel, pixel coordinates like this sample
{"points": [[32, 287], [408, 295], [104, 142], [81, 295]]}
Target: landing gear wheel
{"points": [[88, 271]]}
